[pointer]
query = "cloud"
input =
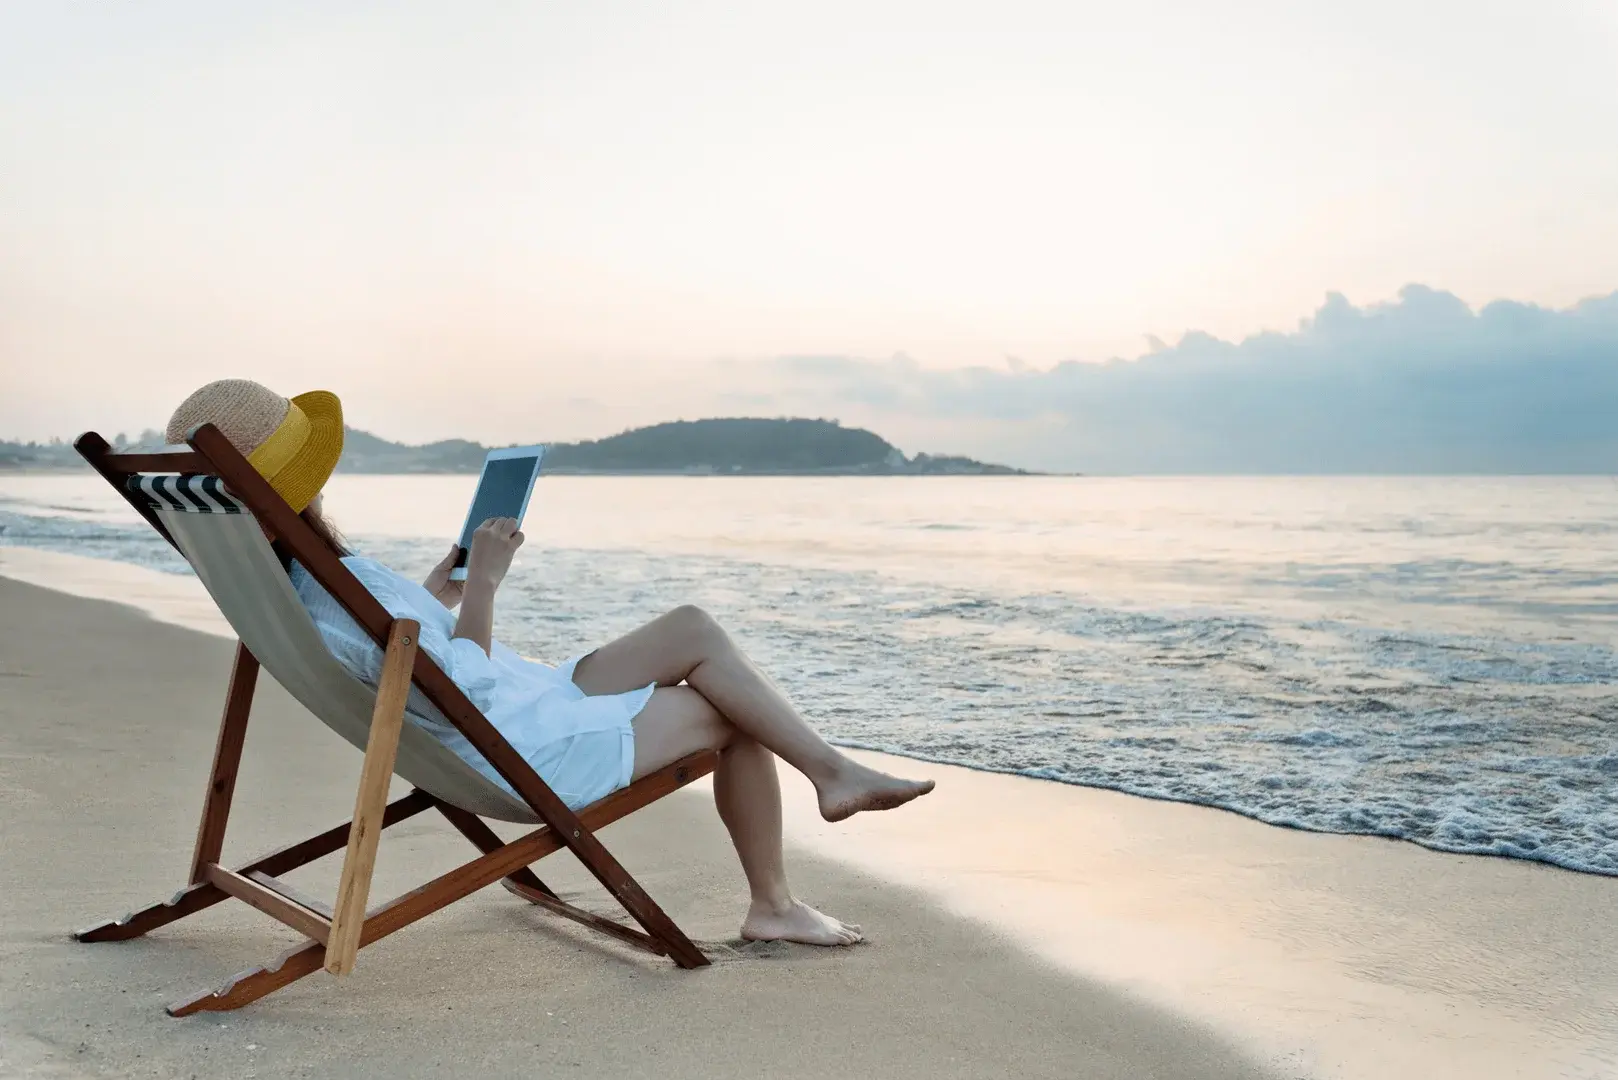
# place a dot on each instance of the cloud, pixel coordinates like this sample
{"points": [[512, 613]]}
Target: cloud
{"points": [[1422, 384]]}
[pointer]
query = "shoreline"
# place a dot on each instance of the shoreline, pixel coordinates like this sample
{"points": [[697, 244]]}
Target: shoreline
{"points": [[1324, 954]]}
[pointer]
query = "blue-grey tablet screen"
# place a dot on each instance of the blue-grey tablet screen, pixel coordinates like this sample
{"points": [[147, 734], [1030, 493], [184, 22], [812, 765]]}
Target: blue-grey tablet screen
{"points": [[500, 494]]}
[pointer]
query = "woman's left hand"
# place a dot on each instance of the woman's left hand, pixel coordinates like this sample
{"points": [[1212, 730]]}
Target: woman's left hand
{"points": [[438, 583]]}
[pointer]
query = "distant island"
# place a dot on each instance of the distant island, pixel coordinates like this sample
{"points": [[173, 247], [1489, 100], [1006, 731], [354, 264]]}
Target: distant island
{"points": [[738, 446]]}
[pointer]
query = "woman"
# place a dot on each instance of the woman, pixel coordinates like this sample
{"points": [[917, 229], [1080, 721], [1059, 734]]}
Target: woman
{"points": [[675, 686]]}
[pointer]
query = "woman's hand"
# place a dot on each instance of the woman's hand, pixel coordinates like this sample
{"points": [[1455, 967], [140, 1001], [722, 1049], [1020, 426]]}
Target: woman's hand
{"points": [[439, 584], [493, 545]]}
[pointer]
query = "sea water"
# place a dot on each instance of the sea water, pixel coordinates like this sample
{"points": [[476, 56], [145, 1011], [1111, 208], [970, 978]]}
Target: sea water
{"points": [[1427, 659]]}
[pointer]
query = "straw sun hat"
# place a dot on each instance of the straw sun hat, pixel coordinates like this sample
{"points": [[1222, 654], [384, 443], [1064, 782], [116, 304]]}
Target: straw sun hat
{"points": [[293, 443]]}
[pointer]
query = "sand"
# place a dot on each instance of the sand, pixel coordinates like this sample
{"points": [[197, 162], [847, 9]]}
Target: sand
{"points": [[1328, 956], [1047, 912], [106, 726]]}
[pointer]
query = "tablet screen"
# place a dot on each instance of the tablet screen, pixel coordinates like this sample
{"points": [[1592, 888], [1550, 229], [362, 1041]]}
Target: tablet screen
{"points": [[503, 492]]}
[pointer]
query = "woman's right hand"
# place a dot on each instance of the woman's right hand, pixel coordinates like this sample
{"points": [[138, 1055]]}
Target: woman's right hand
{"points": [[493, 545]]}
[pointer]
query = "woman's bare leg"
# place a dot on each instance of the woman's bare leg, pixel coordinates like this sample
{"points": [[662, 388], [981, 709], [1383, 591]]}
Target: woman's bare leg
{"points": [[747, 792], [687, 645], [678, 721]]}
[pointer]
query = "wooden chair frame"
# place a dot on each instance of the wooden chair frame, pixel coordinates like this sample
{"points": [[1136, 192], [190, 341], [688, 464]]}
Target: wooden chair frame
{"points": [[335, 933]]}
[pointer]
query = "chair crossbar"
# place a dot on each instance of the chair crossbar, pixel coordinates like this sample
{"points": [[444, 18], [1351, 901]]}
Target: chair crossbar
{"points": [[306, 921], [287, 890]]}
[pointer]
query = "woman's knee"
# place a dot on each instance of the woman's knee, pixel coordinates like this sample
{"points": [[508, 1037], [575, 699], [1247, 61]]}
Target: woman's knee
{"points": [[694, 623]]}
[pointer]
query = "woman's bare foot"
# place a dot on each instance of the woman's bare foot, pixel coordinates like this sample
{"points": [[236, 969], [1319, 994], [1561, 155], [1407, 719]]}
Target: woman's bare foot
{"points": [[797, 922], [863, 788]]}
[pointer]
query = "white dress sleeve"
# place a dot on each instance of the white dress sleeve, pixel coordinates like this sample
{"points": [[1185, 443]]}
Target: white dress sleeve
{"points": [[462, 659]]}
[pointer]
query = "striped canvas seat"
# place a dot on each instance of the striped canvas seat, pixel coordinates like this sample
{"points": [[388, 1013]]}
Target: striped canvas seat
{"points": [[224, 544]]}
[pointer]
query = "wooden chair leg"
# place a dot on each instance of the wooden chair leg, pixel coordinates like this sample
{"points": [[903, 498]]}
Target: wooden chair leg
{"points": [[447, 888], [486, 840], [227, 758], [611, 927], [525, 884], [195, 898], [381, 748]]}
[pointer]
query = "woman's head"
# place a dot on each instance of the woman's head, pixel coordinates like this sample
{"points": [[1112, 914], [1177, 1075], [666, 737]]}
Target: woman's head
{"points": [[293, 443]]}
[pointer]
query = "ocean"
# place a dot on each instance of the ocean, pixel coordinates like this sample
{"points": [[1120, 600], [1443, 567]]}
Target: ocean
{"points": [[1425, 659]]}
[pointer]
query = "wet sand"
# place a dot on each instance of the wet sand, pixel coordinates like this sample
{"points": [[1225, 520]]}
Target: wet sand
{"points": [[1315, 955]]}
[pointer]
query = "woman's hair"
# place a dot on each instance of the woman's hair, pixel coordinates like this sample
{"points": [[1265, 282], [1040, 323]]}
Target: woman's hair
{"points": [[323, 529]]}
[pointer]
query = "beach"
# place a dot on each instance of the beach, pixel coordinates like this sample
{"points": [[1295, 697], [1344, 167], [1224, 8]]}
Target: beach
{"points": [[108, 720], [1018, 927], [1175, 439]]}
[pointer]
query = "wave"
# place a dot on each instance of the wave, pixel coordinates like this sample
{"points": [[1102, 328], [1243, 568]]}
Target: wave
{"points": [[1482, 745]]}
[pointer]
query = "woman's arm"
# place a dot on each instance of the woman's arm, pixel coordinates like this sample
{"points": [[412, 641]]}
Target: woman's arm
{"points": [[464, 661], [476, 620], [493, 546]]}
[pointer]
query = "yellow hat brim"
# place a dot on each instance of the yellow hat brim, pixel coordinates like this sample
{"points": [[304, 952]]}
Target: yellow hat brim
{"points": [[301, 478]]}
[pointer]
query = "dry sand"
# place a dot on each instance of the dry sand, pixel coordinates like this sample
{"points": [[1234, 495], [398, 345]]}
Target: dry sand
{"points": [[1318, 956], [106, 725]]}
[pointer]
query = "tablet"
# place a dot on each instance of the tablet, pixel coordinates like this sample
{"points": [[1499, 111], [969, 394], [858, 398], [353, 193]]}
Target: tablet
{"points": [[503, 491]]}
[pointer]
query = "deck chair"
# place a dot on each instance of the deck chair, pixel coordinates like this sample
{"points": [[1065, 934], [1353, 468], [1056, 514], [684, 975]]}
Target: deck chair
{"points": [[219, 513]]}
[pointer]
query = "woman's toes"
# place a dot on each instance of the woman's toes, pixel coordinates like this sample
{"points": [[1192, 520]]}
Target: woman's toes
{"points": [[800, 922]]}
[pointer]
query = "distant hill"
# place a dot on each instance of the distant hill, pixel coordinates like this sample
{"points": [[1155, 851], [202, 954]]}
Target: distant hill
{"points": [[738, 445], [732, 447], [366, 453], [15, 456], [729, 447]]}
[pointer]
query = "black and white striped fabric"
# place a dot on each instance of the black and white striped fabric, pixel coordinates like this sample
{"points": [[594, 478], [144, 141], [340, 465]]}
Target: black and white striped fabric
{"points": [[188, 494]]}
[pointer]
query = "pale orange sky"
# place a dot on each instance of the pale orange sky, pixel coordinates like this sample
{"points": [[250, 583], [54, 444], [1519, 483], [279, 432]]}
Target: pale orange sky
{"points": [[511, 222]]}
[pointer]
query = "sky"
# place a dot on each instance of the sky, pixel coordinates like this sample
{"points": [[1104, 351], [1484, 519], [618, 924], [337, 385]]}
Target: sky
{"points": [[548, 220]]}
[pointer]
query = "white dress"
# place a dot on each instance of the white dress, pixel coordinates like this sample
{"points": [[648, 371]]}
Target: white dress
{"points": [[582, 746]]}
